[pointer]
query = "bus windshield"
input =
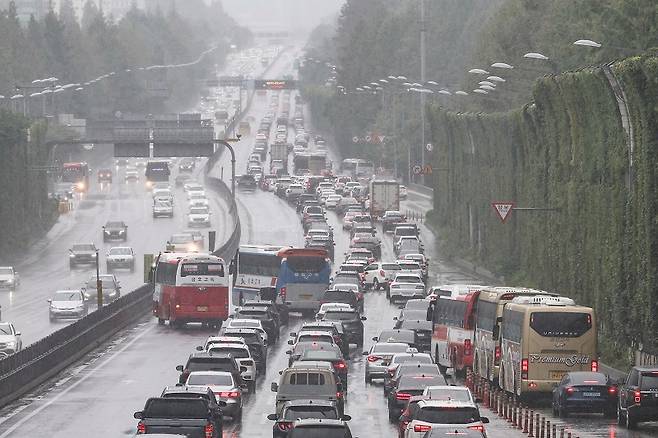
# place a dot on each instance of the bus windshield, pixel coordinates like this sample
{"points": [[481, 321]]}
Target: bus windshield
{"points": [[201, 269], [306, 264], [560, 324]]}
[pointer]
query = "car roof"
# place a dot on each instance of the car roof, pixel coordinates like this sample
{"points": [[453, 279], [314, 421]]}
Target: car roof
{"points": [[309, 402], [185, 389], [312, 364], [314, 422]]}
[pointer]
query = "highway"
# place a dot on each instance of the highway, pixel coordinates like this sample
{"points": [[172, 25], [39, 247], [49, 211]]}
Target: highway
{"points": [[98, 395]]}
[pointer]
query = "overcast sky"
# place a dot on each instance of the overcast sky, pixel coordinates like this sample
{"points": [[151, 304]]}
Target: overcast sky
{"points": [[290, 15]]}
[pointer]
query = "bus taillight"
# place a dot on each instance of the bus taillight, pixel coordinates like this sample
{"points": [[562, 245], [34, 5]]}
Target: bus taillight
{"points": [[524, 369], [497, 355], [595, 366], [283, 294]]}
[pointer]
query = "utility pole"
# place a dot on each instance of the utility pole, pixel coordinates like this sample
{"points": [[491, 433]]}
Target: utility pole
{"points": [[423, 29]]}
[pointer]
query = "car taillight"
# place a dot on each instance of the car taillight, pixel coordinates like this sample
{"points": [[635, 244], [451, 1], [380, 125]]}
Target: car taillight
{"points": [[339, 394], [612, 390], [570, 390], [229, 394], [595, 366], [497, 355], [402, 396], [391, 372], [340, 365], [479, 428], [467, 347], [284, 426], [638, 396], [337, 339], [141, 428], [422, 428], [282, 292], [209, 430], [524, 369], [373, 358]]}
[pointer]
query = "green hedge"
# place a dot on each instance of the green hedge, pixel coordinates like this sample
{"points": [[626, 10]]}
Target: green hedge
{"points": [[26, 212], [566, 150]]}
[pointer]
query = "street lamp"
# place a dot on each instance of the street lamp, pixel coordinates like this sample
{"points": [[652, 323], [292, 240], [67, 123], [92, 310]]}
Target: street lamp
{"points": [[461, 93], [535, 55], [496, 79], [480, 91], [502, 65], [487, 83], [478, 71]]}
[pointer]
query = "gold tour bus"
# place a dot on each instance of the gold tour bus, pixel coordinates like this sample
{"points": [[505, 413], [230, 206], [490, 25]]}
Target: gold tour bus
{"points": [[542, 339], [489, 313]]}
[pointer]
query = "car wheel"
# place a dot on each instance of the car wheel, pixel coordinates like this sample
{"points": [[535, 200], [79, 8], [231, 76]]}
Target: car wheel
{"points": [[388, 294], [368, 379], [238, 416], [391, 416], [631, 421]]}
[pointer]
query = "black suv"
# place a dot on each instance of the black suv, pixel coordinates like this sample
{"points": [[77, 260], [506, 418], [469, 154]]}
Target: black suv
{"points": [[279, 312], [115, 230], [255, 343], [638, 397], [210, 362], [265, 316], [351, 320]]}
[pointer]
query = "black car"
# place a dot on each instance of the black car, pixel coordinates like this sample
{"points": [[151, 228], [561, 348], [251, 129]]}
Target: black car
{"points": [[407, 387], [423, 331], [265, 316], [279, 312], [302, 409], [408, 337], [187, 392], [190, 416], [304, 200], [352, 322], [320, 428], [584, 391], [115, 230], [82, 254], [246, 183], [637, 397], [391, 219], [322, 242], [336, 329], [204, 361], [346, 296], [255, 343]]}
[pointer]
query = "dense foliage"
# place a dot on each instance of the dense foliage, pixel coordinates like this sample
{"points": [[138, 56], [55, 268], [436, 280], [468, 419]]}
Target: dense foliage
{"points": [[565, 151], [79, 49]]}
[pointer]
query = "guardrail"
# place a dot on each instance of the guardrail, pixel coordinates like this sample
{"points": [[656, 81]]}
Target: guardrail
{"points": [[30, 367], [419, 188]]}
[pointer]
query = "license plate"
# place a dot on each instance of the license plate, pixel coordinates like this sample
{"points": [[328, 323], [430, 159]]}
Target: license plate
{"points": [[557, 375], [306, 296], [202, 308], [591, 394]]}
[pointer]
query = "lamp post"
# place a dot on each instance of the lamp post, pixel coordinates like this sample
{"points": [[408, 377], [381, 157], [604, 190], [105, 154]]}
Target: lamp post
{"points": [[99, 283]]}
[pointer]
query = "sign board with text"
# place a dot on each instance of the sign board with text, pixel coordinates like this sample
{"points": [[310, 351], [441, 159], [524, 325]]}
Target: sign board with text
{"points": [[275, 84]]}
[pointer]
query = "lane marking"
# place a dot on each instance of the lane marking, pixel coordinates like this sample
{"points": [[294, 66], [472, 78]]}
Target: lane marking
{"points": [[31, 415]]}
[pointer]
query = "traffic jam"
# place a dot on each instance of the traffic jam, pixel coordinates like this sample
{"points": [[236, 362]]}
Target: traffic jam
{"points": [[533, 344]]}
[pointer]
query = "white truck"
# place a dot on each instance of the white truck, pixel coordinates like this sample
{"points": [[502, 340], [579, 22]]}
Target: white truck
{"points": [[9, 278], [384, 195], [279, 154]]}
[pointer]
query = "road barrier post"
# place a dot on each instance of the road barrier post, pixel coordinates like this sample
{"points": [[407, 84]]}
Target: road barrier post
{"points": [[554, 430], [537, 425], [548, 429], [532, 424], [543, 428], [525, 420]]}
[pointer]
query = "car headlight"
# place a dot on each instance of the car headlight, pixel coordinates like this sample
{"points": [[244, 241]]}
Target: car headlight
{"points": [[94, 255], [113, 293], [72, 255], [11, 344], [122, 231]]}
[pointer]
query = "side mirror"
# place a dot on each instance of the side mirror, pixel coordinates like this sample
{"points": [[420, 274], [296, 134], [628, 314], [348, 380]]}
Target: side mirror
{"points": [[49, 300], [274, 387], [346, 417], [484, 420], [363, 318], [375, 338], [199, 348], [365, 353], [179, 368], [18, 333], [244, 385], [478, 400], [272, 417], [222, 404], [395, 318], [293, 334], [288, 351], [138, 415]]}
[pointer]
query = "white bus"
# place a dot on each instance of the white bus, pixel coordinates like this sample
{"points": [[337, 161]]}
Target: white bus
{"points": [[258, 267]]}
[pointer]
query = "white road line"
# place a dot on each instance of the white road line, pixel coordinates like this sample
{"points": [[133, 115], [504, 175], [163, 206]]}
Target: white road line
{"points": [[29, 416]]}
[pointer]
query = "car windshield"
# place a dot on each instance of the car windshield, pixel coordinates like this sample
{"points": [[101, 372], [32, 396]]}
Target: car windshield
{"points": [[448, 415], [5, 328], [411, 358], [238, 353], [6, 271], [649, 381], [326, 355], [391, 267], [309, 411], [384, 347], [210, 379], [409, 266], [176, 408], [84, 247], [209, 364], [107, 283], [420, 382], [181, 238], [67, 296], [120, 251], [340, 316], [407, 279], [244, 323], [114, 225], [443, 393]]}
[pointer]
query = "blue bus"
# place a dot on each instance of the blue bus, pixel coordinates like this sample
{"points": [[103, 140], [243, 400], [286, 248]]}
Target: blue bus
{"points": [[303, 278]]}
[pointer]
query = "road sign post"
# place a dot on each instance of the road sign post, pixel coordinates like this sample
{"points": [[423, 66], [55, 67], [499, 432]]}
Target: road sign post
{"points": [[503, 209]]}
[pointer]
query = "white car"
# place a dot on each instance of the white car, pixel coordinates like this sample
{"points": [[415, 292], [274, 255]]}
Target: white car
{"points": [[163, 207], [120, 257], [380, 274], [10, 339], [324, 308], [195, 193], [446, 413], [239, 323], [410, 267], [162, 193], [403, 192], [9, 278], [242, 355], [198, 200], [451, 392], [332, 201], [192, 186], [199, 216]]}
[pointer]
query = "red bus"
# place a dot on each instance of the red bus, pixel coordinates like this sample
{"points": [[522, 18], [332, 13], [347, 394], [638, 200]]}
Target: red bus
{"points": [[191, 287], [78, 174], [453, 335]]}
